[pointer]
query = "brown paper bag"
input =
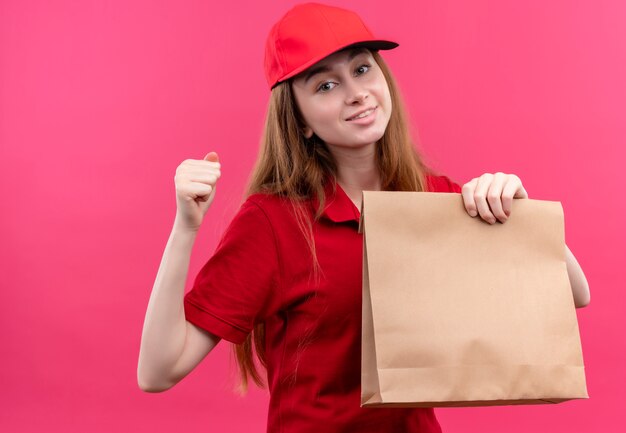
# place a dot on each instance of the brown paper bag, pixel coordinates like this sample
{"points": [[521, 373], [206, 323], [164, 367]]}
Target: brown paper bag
{"points": [[457, 312]]}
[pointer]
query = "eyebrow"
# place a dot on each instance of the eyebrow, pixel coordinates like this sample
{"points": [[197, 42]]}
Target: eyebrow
{"points": [[353, 53]]}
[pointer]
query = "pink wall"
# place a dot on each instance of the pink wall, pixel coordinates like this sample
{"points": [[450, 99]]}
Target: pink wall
{"points": [[101, 100]]}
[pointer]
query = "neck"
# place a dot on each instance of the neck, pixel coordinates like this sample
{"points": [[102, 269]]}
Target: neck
{"points": [[357, 171]]}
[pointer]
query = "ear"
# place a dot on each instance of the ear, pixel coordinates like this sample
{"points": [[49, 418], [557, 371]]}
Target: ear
{"points": [[308, 132]]}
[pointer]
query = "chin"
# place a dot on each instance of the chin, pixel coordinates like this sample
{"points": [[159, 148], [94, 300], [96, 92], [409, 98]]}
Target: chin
{"points": [[371, 138], [359, 140]]}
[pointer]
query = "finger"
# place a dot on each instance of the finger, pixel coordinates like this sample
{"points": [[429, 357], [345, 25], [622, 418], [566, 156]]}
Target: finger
{"points": [[521, 191], [198, 166], [199, 163], [480, 197], [212, 157], [202, 171], [198, 191], [494, 196], [208, 179], [212, 164], [508, 192], [207, 196], [202, 176], [467, 192]]}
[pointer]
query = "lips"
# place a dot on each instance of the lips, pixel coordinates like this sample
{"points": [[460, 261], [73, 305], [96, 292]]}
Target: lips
{"points": [[362, 113]]}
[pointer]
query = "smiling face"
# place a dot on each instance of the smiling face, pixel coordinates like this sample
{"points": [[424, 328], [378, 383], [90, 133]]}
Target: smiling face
{"points": [[344, 99]]}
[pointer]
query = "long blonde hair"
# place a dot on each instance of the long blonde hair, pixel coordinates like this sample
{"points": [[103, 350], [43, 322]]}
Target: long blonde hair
{"points": [[294, 167]]}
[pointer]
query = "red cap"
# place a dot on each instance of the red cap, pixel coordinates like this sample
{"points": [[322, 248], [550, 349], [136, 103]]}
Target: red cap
{"points": [[309, 32]]}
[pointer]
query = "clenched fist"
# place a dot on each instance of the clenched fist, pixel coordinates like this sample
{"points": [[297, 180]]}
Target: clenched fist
{"points": [[195, 182]]}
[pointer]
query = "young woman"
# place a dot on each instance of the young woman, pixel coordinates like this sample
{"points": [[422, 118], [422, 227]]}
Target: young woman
{"points": [[284, 283]]}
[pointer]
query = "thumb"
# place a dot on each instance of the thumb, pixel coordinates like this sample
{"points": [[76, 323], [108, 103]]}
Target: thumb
{"points": [[211, 156]]}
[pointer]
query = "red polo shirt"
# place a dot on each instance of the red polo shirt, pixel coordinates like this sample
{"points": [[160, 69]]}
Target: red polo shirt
{"points": [[260, 272]]}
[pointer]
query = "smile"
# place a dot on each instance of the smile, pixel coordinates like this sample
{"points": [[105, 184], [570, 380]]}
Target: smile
{"points": [[362, 114]]}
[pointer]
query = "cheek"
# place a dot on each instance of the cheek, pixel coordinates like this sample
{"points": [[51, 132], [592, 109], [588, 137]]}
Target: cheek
{"points": [[389, 104], [322, 114], [310, 110], [386, 95], [381, 90]]}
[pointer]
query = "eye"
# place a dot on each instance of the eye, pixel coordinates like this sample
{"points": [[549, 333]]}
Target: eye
{"points": [[362, 69], [326, 86]]}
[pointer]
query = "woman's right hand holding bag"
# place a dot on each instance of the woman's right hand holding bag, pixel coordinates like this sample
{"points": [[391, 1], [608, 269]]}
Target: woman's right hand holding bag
{"points": [[195, 182]]}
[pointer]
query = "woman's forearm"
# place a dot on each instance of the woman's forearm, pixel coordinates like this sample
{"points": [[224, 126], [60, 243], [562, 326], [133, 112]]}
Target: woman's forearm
{"points": [[577, 279], [164, 329]]}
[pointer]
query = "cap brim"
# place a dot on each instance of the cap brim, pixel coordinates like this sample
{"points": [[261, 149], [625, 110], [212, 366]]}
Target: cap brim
{"points": [[374, 45]]}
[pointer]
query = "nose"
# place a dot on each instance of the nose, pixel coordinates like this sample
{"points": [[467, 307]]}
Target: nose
{"points": [[355, 92]]}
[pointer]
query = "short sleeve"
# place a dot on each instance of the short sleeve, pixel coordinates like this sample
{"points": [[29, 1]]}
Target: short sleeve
{"points": [[442, 184], [239, 284]]}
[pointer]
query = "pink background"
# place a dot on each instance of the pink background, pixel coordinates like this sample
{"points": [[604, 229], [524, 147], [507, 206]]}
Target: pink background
{"points": [[101, 100]]}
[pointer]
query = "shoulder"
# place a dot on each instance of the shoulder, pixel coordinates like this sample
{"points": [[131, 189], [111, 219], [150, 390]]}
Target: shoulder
{"points": [[252, 216], [441, 183], [266, 203], [267, 218], [252, 222], [273, 209], [255, 207]]}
